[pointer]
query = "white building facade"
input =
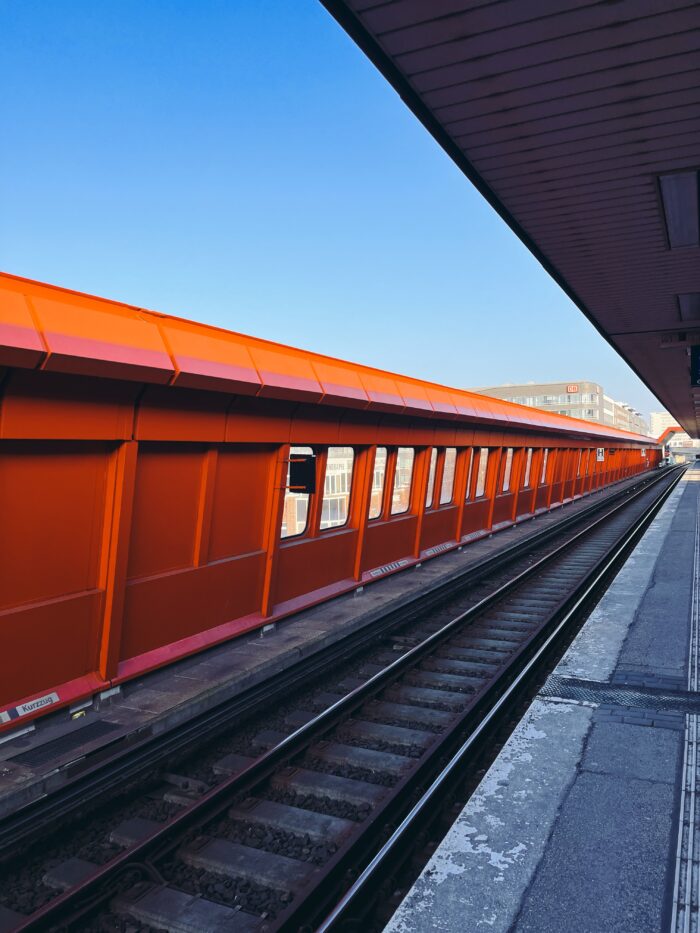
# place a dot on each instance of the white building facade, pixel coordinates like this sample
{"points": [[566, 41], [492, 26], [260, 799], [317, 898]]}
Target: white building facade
{"points": [[577, 399]]}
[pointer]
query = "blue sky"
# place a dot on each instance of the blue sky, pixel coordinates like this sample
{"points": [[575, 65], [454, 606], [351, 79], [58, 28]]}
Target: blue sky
{"points": [[240, 162]]}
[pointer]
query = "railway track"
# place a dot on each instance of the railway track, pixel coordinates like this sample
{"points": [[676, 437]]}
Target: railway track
{"points": [[90, 781], [269, 847]]}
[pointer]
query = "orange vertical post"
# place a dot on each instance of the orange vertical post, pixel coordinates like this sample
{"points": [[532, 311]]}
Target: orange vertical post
{"points": [[205, 506], [115, 554], [516, 478], [459, 490], [421, 471], [274, 523], [552, 467], [493, 473], [361, 501]]}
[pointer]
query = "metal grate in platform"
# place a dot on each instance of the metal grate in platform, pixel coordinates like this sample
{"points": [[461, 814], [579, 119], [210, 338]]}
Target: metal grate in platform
{"points": [[591, 691]]}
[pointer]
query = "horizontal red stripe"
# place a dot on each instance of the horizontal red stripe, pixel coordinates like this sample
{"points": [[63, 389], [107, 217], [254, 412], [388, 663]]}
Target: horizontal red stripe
{"points": [[418, 404], [391, 401], [281, 385], [20, 346], [86, 356], [344, 394], [196, 373]]}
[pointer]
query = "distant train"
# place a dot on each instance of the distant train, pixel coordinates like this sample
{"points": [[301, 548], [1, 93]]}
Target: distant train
{"points": [[166, 485]]}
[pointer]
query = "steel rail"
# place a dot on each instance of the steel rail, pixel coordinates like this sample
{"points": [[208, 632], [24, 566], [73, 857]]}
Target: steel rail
{"points": [[355, 901], [214, 802], [109, 769]]}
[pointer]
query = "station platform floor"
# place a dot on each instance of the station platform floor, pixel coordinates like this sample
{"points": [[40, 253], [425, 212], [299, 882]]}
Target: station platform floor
{"points": [[588, 819], [40, 759]]}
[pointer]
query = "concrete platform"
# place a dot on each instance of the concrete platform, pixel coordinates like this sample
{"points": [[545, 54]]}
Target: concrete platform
{"points": [[43, 758], [587, 820]]}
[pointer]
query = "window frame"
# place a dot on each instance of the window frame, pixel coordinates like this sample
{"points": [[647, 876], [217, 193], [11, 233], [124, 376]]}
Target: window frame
{"points": [[469, 467], [485, 478], [431, 483], [444, 503], [299, 449], [507, 472], [411, 482], [323, 497], [527, 468], [388, 471]]}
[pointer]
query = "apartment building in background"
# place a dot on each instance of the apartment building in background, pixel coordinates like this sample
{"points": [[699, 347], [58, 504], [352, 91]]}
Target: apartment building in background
{"points": [[577, 399]]}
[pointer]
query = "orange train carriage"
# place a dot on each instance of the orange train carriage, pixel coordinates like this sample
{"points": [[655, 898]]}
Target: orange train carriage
{"points": [[145, 484]]}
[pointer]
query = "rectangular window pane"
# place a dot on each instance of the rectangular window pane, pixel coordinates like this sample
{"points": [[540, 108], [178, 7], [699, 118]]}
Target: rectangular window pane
{"points": [[401, 496], [470, 454], [448, 475], [578, 466], [296, 504], [509, 467], [431, 478], [481, 472], [545, 457], [336, 489], [378, 477], [528, 464]]}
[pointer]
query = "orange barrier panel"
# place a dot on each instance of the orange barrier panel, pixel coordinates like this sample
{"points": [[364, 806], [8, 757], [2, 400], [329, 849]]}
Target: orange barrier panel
{"points": [[143, 475]]}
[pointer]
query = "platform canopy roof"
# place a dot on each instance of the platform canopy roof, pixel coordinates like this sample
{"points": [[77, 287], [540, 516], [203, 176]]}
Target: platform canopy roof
{"points": [[579, 121]]}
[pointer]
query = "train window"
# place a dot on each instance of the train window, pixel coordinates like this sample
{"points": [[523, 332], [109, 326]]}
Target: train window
{"points": [[543, 475], [508, 468], [431, 478], [296, 504], [336, 488], [448, 475], [401, 497], [528, 464], [378, 477], [470, 454], [481, 472]]}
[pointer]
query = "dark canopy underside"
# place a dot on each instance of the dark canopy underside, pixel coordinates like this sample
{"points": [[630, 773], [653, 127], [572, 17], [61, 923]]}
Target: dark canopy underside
{"points": [[568, 116]]}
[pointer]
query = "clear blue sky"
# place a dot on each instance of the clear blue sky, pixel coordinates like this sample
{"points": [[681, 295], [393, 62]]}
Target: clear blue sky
{"points": [[240, 162]]}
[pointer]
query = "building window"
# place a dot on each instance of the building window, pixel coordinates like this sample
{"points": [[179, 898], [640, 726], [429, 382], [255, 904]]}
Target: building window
{"points": [[378, 477], [508, 468], [545, 457], [431, 478], [448, 475], [296, 504], [481, 472], [401, 497], [528, 464], [336, 488]]}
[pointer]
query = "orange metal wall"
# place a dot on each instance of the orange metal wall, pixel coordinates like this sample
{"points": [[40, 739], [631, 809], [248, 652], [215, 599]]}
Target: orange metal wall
{"points": [[141, 521]]}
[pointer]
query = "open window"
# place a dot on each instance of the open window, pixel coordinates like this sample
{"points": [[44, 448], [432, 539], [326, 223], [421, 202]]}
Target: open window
{"points": [[295, 513], [507, 468], [337, 485], [468, 490], [430, 489], [403, 475], [448, 475], [378, 481], [481, 472]]}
